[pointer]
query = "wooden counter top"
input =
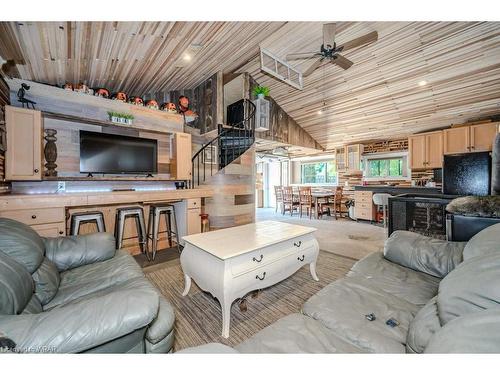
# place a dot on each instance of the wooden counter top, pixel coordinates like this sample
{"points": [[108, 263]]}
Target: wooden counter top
{"points": [[14, 201]]}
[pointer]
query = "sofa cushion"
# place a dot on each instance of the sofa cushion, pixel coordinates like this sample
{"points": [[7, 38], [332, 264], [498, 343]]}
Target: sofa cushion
{"points": [[297, 333], [473, 333], [16, 286], [412, 286], [485, 242], [342, 306], [87, 279], [33, 307], [47, 280], [423, 327], [21, 243], [471, 287], [430, 255]]}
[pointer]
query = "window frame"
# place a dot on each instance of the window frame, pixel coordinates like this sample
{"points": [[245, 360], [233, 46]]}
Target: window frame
{"points": [[332, 161], [387, 156]]}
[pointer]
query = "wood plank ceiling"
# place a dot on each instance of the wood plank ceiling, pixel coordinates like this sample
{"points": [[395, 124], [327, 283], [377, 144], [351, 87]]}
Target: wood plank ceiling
{"points": [[379, 97]]}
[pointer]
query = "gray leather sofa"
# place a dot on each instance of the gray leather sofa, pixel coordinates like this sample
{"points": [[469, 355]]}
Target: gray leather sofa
{"points": [[77, 294], [444, 295]]}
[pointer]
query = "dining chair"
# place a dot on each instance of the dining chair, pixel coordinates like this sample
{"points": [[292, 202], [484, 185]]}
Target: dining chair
{"points": [[305, 200], [278, 192], [334, 203], [289, 202]]}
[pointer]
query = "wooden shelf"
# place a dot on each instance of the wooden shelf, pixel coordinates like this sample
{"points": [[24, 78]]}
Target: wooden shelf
{"points": [[109, 178], [90, 121]]}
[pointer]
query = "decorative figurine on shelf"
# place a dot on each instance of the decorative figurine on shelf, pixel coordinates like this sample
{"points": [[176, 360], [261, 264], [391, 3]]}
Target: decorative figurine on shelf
{"points": [[103, 93], [68, 86], [184, 107], [50, 152], [82, 88], [20, 96], [120, 96], [136, 100], [169, 107], [152, 104]]}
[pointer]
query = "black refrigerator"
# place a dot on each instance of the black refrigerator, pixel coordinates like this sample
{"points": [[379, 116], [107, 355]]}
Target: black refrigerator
{"points": [[467, 174]]}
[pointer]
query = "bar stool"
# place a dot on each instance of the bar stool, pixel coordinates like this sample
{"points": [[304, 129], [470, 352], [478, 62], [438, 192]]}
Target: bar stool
{"points": [[155, 212], [86, 217], [382, 199], [137, 213]]}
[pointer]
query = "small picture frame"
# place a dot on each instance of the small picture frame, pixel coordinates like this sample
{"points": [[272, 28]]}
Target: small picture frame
{"points": [[210, 155]]}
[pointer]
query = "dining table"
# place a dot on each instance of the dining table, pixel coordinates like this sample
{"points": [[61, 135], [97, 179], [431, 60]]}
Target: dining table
{"points": [[317, 197]]}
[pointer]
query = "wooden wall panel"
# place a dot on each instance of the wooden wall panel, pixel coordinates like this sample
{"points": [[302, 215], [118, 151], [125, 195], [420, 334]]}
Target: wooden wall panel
{"points": [[234, 200]]}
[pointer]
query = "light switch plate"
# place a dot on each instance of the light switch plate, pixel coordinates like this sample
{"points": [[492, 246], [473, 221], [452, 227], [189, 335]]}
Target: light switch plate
{"points": [[61, 186]]}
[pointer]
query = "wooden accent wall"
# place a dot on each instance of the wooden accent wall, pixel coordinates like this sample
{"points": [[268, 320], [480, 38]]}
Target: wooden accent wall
{"points": [[282, 127], [205, 99], [4, 100], [233, 202], [68, 145]]}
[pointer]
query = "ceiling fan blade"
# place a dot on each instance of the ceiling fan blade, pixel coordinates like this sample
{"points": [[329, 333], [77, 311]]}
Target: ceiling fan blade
{"points": [[342, 62], [329, 33], [304, 55], [313, 67], [365, 39]]}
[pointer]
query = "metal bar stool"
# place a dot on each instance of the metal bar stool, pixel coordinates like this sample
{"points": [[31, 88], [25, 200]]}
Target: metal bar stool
{"points": [[86, 217], [382, 199], [155, 212], [137, 213]]}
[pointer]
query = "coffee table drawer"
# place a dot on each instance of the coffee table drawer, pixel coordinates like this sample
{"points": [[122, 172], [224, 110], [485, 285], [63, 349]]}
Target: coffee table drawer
{"points": [[274, 272], [255, 259]]}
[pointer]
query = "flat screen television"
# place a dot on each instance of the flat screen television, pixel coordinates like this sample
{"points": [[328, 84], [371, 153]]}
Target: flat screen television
{"points": [[117, 154]]}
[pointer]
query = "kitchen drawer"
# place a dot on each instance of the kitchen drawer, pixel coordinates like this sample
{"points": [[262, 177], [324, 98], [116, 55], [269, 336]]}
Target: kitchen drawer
{"points": [[364, 214], [363, 205], [363, 196], [194, 203], [36, 216], [258, 258], [50, 230]]}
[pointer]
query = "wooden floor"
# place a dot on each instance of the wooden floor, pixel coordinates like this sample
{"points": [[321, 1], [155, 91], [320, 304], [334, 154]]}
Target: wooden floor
{"points": [[198, 315]]}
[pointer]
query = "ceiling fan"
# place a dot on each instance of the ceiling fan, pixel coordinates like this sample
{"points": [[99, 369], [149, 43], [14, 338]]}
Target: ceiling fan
{"points": [[330, 51]]}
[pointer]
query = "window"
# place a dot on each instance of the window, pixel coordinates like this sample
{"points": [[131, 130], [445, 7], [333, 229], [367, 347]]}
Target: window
{"points": [[318, 173], [387, 167]]}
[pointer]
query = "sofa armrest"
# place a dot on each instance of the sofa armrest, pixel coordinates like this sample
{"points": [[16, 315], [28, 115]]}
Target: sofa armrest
{"points": [[75, 251], [82, 325], [425, 254], [472, 333]]}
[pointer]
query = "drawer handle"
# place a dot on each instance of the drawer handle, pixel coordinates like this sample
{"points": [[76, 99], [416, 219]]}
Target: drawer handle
{"points": [[297, 243], [36, 170], [301, 259], [33, 216], [258, 260], [61, 232], [263, 276]]}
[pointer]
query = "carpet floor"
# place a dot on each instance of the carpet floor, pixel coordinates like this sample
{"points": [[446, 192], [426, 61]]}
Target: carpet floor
{"points": [[198, 315]]}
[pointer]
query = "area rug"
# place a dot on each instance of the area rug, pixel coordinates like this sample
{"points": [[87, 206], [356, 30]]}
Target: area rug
{"points": [[198, 315]]}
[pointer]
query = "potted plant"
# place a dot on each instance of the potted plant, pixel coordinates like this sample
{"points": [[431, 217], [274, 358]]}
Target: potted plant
{"points": [[121, 118], [261, 91]]}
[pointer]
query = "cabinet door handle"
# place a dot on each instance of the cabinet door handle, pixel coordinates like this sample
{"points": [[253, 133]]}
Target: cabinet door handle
{"points": [[33, 216], [261, 278], [297, 244], [301, 258], [258, 260], [61, 232], [36, 170], [472, 147]]}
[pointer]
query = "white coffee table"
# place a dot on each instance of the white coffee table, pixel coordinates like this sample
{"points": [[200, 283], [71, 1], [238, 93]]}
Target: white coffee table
{"points": [[230, 263]]}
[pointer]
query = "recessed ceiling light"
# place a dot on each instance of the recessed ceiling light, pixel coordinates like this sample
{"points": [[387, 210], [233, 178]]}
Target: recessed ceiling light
{"points": [[422, 83], [187, 57], [320, 112]]}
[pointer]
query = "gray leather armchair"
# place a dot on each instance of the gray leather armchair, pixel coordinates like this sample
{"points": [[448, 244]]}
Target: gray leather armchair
{"points": [[77, 294]]}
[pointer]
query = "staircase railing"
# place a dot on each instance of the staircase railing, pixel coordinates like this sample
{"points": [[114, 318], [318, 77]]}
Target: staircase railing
{"points": [[232, 141]]}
